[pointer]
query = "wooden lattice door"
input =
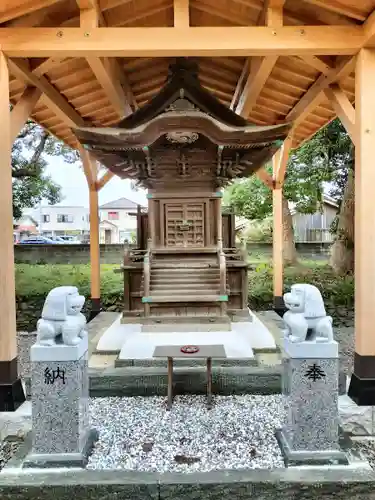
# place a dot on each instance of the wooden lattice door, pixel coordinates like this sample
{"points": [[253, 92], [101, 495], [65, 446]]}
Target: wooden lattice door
{"points": [[184, 224]]}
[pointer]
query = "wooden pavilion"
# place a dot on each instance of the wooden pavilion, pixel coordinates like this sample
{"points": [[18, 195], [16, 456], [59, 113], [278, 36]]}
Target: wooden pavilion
{"points": [[77, 64]]}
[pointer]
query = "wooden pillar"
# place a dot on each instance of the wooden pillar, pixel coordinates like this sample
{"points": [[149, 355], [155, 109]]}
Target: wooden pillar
{"points": [[139, 226], [277, 239], [362, 384], [219, 223], [94, 251], [11, 391], [90, 168]]}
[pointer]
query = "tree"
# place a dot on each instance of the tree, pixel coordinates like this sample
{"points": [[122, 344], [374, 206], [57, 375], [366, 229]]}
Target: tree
{"points": [[28, 160], [329, 156]]}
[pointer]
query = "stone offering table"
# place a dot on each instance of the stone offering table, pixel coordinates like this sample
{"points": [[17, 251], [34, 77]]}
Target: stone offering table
{"points": [[189, 351], [60, 413]]}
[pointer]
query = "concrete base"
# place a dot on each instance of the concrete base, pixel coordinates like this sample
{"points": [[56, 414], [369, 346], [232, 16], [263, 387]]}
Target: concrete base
{"points": [[52, 460], [306, 457]]}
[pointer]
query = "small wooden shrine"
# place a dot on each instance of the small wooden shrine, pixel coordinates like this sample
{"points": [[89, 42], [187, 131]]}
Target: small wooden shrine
{"points": [[184, 146]]}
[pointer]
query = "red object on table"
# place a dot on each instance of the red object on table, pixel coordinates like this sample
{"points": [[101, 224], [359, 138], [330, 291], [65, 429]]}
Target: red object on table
{"points": [[189, 349]]}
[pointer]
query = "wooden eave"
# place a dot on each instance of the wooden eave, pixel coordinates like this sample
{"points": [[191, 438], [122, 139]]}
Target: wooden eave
{"points": [[295, 85]]}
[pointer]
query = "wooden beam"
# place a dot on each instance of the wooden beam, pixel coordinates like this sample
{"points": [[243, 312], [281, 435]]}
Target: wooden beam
{"points": [[311, 99], [339, 8], [107, 71], [8, 346], [89, 167], [260, 68], [22, 110], [240, 84], [265, 177], [181, 13], [25, 8], [54, 100], [343, 108], [282, 161], [317, 63], [369, 30], [171, 42], [100, 183]]}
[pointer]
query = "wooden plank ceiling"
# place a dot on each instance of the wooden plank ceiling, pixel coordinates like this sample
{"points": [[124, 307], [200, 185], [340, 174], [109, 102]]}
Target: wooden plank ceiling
{"points": [[265, 90]]}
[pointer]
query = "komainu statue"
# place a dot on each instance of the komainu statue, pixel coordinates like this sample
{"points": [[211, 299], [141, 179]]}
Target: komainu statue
{"points": [[306, 318], [62, 321]]}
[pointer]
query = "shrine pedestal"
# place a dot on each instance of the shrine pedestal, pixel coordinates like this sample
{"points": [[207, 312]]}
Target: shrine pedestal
{"points": [[310, 387], [60, 413]]}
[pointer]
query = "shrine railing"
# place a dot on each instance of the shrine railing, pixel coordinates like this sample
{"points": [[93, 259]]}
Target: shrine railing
{"points": [[223, 280]]}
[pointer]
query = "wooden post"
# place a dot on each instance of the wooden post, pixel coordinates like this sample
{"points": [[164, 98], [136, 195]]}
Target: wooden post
{"points": [[91, 171], [362, 384], [11, 391], [139, 226], [94, 251], [219, 224], [277, 237]]}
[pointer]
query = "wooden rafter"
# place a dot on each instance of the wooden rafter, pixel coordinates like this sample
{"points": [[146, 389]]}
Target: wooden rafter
{"points": [[181, 13], [172, 42], [315, 94], [25, 8], [343, 108], [317, 63], [282, 162], [339, 8], [107, 71], [240, 84], [52, 97], [22, 110], [104, 179], [260, 68]]}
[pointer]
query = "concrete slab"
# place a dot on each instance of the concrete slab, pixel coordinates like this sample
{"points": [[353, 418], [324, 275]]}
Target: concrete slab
{"points": [[255, 332], [142, 346], [113, 339], [100, 361]]}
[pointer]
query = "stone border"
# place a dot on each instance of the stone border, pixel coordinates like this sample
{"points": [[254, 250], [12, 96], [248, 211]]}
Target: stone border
{"points": [[284, 484], [152, 381]]}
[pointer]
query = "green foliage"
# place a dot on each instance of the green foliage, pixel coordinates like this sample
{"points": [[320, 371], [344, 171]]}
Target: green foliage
{"points": [[326, 158], [259, 231], [337, 291], [249, 197], [34, 282], [30, 152]]}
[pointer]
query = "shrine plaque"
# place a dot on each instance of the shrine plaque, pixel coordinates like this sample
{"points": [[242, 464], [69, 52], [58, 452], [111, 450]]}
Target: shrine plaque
{"points": [[182, 351]]}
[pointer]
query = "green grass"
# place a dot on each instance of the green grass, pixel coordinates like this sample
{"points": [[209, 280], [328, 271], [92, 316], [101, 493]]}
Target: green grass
{"points": [[37, 281]]}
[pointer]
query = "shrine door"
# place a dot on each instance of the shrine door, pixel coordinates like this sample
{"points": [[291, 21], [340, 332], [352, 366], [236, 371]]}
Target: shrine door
{"points": [[184, 224]]}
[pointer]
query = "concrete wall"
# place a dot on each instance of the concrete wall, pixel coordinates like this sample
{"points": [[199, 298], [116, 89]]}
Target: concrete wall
{"points": [[112, 254]]}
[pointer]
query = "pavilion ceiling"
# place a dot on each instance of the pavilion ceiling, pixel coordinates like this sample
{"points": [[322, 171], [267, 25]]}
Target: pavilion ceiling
{"points": [[266, 90]]}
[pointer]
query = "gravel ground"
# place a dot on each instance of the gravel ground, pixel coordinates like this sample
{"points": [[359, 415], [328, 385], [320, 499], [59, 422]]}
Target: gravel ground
{"points": [[344, 335], [139, 434], [7, 449]]}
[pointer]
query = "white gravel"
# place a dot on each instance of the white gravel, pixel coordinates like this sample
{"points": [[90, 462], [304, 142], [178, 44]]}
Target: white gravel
{"points": [[139, 434]]}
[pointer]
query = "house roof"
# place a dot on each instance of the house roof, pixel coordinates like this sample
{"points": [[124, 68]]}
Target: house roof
{"points": [[123, 203]]}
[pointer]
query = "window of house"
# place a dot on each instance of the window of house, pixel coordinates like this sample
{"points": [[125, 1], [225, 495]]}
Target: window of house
{"points": [[64, 218], [46, 218], [113, 215]]}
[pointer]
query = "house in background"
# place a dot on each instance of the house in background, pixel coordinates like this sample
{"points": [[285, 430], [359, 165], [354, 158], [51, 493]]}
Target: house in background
{"points": [[118, 221], [315, 227], [60, 220], [24, 227], [307, 228]]}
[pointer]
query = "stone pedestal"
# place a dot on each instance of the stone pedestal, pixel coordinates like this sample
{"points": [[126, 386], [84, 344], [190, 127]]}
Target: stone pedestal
{"points": [[310, 386], [60, 413]]}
